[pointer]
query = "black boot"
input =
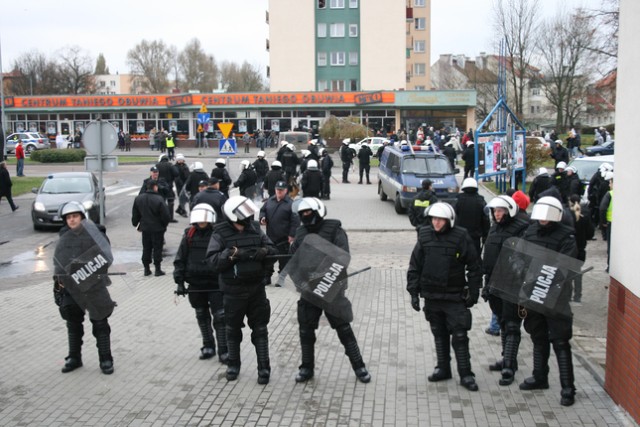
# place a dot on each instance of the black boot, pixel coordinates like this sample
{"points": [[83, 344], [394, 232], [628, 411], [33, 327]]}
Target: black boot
{"points": [[510, 365], [540, 378], [102, 332], [460, 344], [307, 346], [233, 345], [260, 339], [351, 349], [147, 270], [565, 366], [443, 368], [73, 361], [497, 367], [159, 272], [221, 336], [208, 349]]}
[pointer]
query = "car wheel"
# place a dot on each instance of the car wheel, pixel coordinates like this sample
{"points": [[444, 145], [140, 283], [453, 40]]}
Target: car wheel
{"points": [[28, 149], [36, 227], [383, 196], [598, 154], [399, 209]]}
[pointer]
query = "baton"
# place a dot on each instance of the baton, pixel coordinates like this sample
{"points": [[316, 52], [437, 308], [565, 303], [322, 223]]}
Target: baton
{"points": [[359, 271]]}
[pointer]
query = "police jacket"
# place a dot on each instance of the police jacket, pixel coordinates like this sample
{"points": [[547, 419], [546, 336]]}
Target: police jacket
{"points": [[212, 197], [326, 163], [422, 201], [290, 162], [439, 262], [150, 213], [364, 155], [282, 222], [167, 172], [182, 175], [311, 183], [470, 213], [192, 185], [499, 232], [261, 166], [556, 236], [329, 229], [222, 174], [237, 273], [163, 188], [246, 179], [469, 156], [594, 187], [560, 154], [450, 152], [540, 183], [190, 264], [273, 176], [347, 154]]}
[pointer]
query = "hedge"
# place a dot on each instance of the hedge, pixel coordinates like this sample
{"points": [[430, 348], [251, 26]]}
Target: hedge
{"points": [[58, 156]]}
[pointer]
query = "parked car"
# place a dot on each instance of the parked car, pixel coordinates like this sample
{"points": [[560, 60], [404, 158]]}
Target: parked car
{"points": [[586, 167], [30, 141], [600, 150], [402, 171], [60, 188], [296, 138], [374, 142]]}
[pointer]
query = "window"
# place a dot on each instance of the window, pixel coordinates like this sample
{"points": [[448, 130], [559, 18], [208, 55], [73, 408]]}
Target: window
{"points": [[321, 4], [322, 59], [322, 85], [337, 4], [337, 58], [420, 88], [353, 4], [535, 91], [337, 85], [419, 69], [322, 30], [337, 30], [353, 30], [353, 58], [533, 109], [418, 3], [353, 85], [419, 46], [421, 23]]}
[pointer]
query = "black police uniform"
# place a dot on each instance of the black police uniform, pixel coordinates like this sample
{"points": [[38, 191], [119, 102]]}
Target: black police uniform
{"points": [[290, 162], [282, 223], [471, 215], [191, 266], [422, 201], [150, 215], [247, 183], [540, 183], [364, 162], [238, 256], [309, 314], [192, 184], [346, 156], [273, 176], [437, 273], [181, 179], [169, 174], [326, 163], [311, 183], [212, 197], [222, 174], [546, 330], [261, 166]]}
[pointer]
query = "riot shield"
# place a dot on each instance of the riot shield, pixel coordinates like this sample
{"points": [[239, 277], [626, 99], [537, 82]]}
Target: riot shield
{"points": [[534, 277], [81, 260], [318, 271]]}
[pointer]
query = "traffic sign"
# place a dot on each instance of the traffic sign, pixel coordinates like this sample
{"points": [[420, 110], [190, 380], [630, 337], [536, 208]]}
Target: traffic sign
{"points": [[227, 147], [100, 138], [225, 128], [203, 108], [203, 117]]}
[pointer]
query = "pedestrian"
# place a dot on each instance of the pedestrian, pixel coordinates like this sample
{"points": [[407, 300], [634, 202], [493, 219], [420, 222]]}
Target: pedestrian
{"points": [[275, 175], [425, 198], [150, 215], [121, 140], [469, 157], [163, 140], [79, 237], [182, 174], [547, 231], [237, 249], [606, 213], [346, 156], [192, 184], [560, 154], [152, 138], [506, 224], [441, 258], [261, 142], [281, 222], [246, 140], [171, 146], [5, 186], [19, 159], [261, 166], [584, 233], [212, 196], [190, 266], [312, 212], [220, 171], [471, 213], [127, 141], [312, 180], [364, 162], [326, 164]]}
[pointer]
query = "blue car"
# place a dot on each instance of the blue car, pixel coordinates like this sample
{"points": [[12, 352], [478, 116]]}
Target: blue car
{"points": [[600, 150]]}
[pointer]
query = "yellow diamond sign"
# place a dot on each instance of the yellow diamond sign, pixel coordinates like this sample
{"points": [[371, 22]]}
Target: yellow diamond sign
{"points": [[225, 128], [203, 108]]}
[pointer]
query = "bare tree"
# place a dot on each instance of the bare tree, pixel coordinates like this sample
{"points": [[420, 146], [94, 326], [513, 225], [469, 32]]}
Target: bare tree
{"points": [[241, 78], [75, 71], [34, 75], [199, 70], [151, 62], [605, 47], [518, 22]]}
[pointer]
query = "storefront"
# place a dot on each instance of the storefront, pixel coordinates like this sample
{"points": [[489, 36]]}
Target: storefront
{"points": [[138, 114]]}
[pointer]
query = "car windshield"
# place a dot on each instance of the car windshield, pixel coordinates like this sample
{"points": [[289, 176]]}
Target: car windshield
{"points": [[426, 166], [585, 169], [66, 185]]}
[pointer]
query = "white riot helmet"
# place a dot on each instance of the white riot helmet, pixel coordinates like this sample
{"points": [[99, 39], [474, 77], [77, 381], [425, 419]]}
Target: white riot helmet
{"points": [[317, 208], [312, 165], [291, 147], [283, 142], [321, 152], [608, 175], [547, 209], [561, 165], [305, 153], [441, 210], [276, 164], [605, 167], [180, 157], [162, 157], [72, 207], [543, 171], [469, 183], [346, 141], [239, 209], [260, 154], [202, 212], [198, 166], [470, 143], [505, 202], [220, 162], [244, 164]]}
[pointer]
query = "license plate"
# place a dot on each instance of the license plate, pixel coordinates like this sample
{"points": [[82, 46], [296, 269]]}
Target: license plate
{"points": [[57, 218]]}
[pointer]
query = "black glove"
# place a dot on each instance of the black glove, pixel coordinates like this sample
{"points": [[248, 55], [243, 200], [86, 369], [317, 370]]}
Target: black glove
{"points": [[242, 254], [415, 302], [485, 293], [181, 290], [260, 254], [470, 296], [57, 292]]}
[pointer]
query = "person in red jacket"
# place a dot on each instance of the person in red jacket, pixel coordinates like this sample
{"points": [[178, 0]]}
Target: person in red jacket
{"points": [[20, 159]]}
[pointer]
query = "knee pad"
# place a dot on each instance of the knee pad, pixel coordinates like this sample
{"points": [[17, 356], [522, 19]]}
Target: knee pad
{"points": [[345, 334], [233, 334], [259, 332], [438, 329], [72, 313], [307, 336], [202, 313], [512, 328], [100, 326], [459, 337], [559, 345], [218, 319]]}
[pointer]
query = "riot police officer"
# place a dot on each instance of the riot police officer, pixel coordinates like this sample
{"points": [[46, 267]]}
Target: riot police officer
{"points": [[441, 257], [246, 182], [312, 180], [506, 224], [78, 238], [312, 212], [470, 213], [275, 175], [548, 231], [190, 266], [425, 198], [237, 250], [220, 171]]}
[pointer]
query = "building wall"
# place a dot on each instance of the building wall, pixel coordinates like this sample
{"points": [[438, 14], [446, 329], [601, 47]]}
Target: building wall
{"points": [[623, 328], [292, 45], [419, 81]]}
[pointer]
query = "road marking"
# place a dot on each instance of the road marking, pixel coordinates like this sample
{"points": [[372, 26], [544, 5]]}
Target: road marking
{"points": [[121, 190]]}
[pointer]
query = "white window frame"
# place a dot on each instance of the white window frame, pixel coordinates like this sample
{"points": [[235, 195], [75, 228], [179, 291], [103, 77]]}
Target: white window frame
{"points": [[322, 85], [338, 59], [322, 30], [353, 4], [338, 85], [353, 58], [418, 3], [422, 21], [322, 59], [336, 29], [336, 4], [419, 46], [417, 68], [353, 30]]}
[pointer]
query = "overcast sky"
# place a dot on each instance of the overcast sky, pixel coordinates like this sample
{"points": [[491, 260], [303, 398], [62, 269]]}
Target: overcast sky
{"points": [[233, 30]]}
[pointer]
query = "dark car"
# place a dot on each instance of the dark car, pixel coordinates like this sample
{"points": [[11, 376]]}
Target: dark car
{"points": [[60, 188], [600, 150]]}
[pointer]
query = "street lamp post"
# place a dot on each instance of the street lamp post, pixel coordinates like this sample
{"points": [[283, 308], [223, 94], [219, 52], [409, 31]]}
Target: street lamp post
{"points": [[3, 123]]}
